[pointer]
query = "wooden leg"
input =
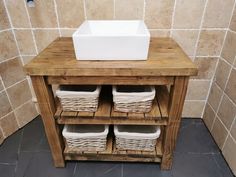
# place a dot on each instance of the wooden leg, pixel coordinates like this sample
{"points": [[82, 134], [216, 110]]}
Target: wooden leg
{"points": [[176, 102], [47, 107]]}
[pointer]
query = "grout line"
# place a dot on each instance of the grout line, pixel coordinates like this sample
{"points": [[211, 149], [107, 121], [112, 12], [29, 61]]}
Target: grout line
{"points": [[222, 94], [144, 9], [229, 134], [9, 59], [172, 18], [85, 11], [27, 12], [212, 80], [13, 32], [114, 9], [195, 100], [232, 31], [9, 29], [57, 17], [16, 83], [227, 61], [200, 29]]}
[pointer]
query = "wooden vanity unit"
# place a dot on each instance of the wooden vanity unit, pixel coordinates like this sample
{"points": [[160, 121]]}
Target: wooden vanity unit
{"points": [[167, 67]]}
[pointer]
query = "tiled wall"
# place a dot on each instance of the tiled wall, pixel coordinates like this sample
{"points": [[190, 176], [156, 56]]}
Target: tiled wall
{"points": [[16, 106], [199, 26], [220, 112]]}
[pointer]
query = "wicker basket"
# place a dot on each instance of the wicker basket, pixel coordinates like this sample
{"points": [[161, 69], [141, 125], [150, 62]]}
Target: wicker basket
{"points": [[78, 97], [86, 137], [133, 98], [136, 137]]}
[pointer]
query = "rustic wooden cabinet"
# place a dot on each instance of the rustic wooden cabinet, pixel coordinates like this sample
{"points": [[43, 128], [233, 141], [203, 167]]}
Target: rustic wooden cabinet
{"points": [[167, 67]]}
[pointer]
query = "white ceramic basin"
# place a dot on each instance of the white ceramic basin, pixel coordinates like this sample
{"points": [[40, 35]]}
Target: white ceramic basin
{"points": [[112, 40]]}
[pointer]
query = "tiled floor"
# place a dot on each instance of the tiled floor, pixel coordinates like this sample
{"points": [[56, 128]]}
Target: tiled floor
{"points": [[26, 154]]}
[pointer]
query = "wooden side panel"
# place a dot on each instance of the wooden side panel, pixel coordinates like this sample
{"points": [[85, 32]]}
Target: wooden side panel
{"points": [[176, 102], [47, 107]]}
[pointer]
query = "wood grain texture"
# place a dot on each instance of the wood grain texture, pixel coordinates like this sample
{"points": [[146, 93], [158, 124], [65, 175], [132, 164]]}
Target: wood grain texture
{"points": [[47, 107], [165, 58], [176, 102], [94, 80]]}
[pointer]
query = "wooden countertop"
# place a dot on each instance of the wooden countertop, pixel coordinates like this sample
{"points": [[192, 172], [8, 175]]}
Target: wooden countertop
{"points": [[165, 58]]}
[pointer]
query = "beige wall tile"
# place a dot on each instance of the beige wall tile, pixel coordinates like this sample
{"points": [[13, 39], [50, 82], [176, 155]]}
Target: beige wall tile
{"points": [[159, 33], [197, 90], [218, 13], [222, 73], [186, 39], [214, 96], [7, 46], [99, 9], [70, 13], [4, 21], [227, 112], [231, 86], [1, 85], [26, 59], [5, 106], [67, 32], [208, 116], [19, 93], [206, 67], [8, 124], [18, 13], [129, 10], [44, 37], [2, 137], [25, 42], [188, 13], [158, 14], [210, 42], [233, 130], [233, 21], [229, 153], [219, 133], [229, 51], [43, 15], [11, 71], [193, 109], [26, 113]]}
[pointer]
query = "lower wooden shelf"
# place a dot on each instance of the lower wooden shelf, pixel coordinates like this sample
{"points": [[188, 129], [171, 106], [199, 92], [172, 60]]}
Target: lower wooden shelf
{"points": [[107, 115], [113, 154]]}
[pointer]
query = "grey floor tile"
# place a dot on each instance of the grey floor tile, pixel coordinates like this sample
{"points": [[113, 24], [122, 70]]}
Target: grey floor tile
{"points": [[7, 170], [195, 165], [222, 165], [34, 138], [98, 169], [40, 164], [10, 147], [194, 137], [144, 170]]}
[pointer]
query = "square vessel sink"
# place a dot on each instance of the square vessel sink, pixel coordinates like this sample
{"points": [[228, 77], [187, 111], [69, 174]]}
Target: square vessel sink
{"points": [[112, 40]]}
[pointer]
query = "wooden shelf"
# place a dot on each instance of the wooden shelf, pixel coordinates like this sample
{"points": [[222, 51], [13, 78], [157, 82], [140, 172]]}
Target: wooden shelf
{"points": [[106, 114], [113, 154]]}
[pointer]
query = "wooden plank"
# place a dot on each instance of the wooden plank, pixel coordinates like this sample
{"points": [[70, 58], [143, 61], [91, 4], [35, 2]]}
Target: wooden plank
{"points": [[111, 121], [166, 58], [163, 99], [132, 115], [155, 111], [95, 80], [118, 114], [47, 107], [68, 114], [85, 114], [176, 102], [104, 109], [109, 146]]}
